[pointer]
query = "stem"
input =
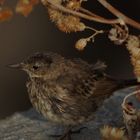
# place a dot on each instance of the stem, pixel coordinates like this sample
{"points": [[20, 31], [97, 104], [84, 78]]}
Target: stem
{"points": [[91, 13], [95, 15], [96, 32], [93, 29], [120, 15], [79, 14], [88, 12]]}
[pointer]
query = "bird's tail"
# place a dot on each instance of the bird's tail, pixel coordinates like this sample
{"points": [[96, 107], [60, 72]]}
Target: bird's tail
{"points": [[122, 83], [127, 82]]}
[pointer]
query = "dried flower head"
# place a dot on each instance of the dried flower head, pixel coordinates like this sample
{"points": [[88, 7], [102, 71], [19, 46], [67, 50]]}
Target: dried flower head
{"points": [[25, 7], [111, 133], [133, 41], [5, 14], [81, 43], [54, 15], [70, 24], [133, 46], [73, 4], [45, 2], [118, 34], [66, 23]]}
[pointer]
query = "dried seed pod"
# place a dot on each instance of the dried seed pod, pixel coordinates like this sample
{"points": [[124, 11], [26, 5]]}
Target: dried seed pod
{"points": [[111, 133], [81, 44], [118, 34]]}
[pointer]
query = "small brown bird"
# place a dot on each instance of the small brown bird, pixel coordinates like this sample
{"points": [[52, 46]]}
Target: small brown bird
{"points": [[67, 91]]}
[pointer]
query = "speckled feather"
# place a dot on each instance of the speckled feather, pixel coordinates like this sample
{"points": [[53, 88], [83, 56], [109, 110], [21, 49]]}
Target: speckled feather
{"points": [[67, 91]]}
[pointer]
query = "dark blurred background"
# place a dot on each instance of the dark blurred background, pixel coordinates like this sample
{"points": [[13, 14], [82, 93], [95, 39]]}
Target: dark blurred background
{"points": [[21, 37]]}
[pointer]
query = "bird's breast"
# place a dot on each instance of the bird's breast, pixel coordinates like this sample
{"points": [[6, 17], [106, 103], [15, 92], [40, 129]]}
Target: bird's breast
{"points": [[40, 100]]}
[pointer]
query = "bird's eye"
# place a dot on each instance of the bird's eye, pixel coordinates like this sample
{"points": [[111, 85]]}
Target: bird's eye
{"points": [[35, 67]]}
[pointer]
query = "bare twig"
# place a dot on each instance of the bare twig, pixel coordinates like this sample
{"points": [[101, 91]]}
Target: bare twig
{"points": [[93, 14], [120, 15], [79, 14], [89, 12]]}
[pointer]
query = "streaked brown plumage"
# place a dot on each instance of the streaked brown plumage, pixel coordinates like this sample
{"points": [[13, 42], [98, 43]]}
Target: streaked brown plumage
{"points": [[66, 91]]}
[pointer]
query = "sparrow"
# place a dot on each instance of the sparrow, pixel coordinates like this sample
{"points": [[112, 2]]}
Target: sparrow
{"points": [[67, 91]]}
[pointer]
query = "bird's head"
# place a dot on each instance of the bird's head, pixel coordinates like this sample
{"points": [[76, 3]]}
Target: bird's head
{"points": [[45, 65]]}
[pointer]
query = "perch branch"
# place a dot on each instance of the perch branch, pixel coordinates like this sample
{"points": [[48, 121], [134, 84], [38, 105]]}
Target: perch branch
{"points": [[127, 96], [131, 117], [120, 15], [79, 14]]}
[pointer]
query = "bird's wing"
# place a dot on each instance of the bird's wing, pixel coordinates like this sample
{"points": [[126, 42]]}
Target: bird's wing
{"points": [[88, 81], [75, 91], [99, 65], [87, 77]]}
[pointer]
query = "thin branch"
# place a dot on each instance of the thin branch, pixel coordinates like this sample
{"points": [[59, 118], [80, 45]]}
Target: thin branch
{"points": [[79, 14], [94, 15], [90, 13], [126, 97], [120, 15]]}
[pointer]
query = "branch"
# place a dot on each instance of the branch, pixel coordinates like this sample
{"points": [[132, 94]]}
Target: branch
{"points": [[120, 15], [91, 13], [79, 14]]}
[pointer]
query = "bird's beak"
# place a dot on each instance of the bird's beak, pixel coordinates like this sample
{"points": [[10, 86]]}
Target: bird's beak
{"points": [[16, 66]]}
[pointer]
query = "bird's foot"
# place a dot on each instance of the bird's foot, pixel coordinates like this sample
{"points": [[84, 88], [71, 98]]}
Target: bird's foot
{"points": [[66, 136], [78, 130]]}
